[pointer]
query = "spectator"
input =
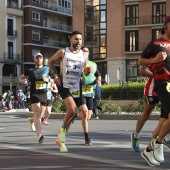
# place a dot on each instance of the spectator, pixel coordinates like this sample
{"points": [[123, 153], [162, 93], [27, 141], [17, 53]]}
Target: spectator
{"points": [[97, 96], [8, 100], [22, 97], [16, 102]]}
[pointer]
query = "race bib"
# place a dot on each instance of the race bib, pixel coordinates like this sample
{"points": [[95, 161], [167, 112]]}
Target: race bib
{"points": [[75, 93], [87, 89], [168, 87], [40, 85]]}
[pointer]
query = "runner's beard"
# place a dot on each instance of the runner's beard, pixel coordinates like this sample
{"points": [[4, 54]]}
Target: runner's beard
{"points": [[76, 47]]}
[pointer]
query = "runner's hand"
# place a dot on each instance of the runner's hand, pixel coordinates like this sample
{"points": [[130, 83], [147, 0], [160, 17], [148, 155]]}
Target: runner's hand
{"points": [[57, 81]]}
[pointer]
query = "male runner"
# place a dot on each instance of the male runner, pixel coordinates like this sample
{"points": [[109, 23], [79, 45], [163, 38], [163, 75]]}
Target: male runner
{"points": [[38, 90]]}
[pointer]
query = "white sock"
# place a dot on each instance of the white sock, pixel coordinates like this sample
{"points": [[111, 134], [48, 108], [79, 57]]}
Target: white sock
{"points": [[136, 135], [39, 136]]}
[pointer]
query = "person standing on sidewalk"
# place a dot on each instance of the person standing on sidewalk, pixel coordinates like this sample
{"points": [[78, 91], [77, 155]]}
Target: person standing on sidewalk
{"points": [[68, 80], [158, 53], [38, 90], [96, 99]]}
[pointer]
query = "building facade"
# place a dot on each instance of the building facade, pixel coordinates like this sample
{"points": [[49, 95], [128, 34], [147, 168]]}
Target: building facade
{"points": [[10, 49], [47, 25], [117, 31]]}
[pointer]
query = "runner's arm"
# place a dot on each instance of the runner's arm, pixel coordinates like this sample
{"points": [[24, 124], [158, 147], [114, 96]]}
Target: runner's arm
{"points": [[145, 71]]}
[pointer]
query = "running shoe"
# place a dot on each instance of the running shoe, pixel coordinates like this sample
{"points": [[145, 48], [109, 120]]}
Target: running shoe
{"points": [[166, 144], [88, 142], [135, 143], [157, 151], [44, 122], [31, 124], [62, 146], [148, 156], [95, 118], [62, 134], [41, 139]]}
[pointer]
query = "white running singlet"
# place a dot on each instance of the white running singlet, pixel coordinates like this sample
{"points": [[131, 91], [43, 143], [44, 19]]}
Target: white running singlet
{"points": [[72, 69]]}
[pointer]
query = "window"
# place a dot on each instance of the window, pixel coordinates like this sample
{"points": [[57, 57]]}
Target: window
{"points": [[10, 50], [12, 3], [158, 12], [131, 40], [132, 70], [95, 28], [9, 69], [131, 15], [36, 16], [36, 1], [10, 27], [35, 35], [155, 34], [67, 4], [102, 67], [102, 16]]}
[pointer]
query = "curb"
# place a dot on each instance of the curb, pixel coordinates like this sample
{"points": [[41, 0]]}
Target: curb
{"points": [[103, 116]]}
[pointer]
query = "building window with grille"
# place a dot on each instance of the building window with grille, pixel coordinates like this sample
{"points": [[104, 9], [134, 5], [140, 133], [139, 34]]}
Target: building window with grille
{"points": [[132, 12], [36, 16], [132, 70], [35, 35], [131, 40], [158, 12]]}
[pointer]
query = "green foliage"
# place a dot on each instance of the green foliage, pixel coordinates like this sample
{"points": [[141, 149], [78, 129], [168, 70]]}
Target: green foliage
{"points": [[109, 106], [133, 106], [124, 91], [126, 85], [58, 106]]}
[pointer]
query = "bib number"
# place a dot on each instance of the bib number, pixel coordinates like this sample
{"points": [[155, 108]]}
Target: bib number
{"points": [[87, 89], [75, 93], [168, 87], [40, 85]]}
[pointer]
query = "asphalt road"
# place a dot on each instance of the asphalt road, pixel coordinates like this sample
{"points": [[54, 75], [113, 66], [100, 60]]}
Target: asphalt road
{"points": [[111, 149]]}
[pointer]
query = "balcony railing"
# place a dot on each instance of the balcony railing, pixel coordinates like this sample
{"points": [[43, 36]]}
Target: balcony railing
{"points": [[52, 43], [6, 79], [135, 48], [12, 56], [12, 33], [13, 5], [57, 8], [144, 20], [54, 25]]}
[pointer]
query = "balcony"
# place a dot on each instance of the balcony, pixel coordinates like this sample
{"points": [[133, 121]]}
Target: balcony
{"points": [[6, 79], [52, 43], [144, 20], [12, 58], [53, 25], [14, 9], [57, 9], [11, 33]]}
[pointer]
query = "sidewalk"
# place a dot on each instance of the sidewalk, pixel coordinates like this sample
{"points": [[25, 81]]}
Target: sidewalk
{"points": [[123, 116], [103, 116]]}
